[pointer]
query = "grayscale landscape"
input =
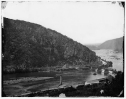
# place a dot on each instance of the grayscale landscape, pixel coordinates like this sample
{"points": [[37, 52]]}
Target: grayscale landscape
{"points": [[49, 51]]}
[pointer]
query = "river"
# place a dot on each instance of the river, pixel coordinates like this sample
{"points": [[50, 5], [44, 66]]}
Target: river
{"points": [[114, 56], [48, 80]]}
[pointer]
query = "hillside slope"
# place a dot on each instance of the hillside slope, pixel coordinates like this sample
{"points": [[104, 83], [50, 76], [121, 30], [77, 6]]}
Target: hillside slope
{"points": [[27, 45], [115, 44], [92, 47]]}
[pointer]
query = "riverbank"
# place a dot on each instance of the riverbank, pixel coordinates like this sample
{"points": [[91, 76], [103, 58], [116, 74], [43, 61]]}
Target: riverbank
{"points": [[25, 79], [31, 82], [98, 64], [106, 88], [11, 69]]}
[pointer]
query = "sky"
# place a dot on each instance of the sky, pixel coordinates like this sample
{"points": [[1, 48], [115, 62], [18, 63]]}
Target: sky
{"points": [[84, 22]]}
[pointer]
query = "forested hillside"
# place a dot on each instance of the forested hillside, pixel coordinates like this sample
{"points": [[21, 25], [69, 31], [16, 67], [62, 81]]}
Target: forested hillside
{"points": [[27, 45]]}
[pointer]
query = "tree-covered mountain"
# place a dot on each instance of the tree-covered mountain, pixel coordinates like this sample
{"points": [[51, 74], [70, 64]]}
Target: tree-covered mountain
{"points": [[115, 44], [28, 45]]}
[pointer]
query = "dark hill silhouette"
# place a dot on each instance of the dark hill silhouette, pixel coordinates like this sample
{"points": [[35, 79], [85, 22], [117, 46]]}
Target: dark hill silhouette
{"points": [[28, 45]]}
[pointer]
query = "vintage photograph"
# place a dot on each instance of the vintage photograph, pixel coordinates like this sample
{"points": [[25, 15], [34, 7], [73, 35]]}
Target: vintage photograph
{"points": [[62, 48]]}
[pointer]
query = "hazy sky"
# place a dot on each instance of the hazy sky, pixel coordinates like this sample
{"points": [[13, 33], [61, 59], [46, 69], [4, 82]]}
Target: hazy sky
{"points": [[85, 22]]}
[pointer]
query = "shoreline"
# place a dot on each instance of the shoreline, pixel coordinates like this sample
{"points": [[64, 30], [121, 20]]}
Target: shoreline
{"points": [[25, 79], [63, 87]]}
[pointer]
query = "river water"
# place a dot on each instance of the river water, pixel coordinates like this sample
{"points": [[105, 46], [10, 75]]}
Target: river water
{"points": [[114, 56], [71, 77]]}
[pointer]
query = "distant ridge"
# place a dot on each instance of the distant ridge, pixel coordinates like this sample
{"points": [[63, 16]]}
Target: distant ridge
{"points": [[115, 44]]}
